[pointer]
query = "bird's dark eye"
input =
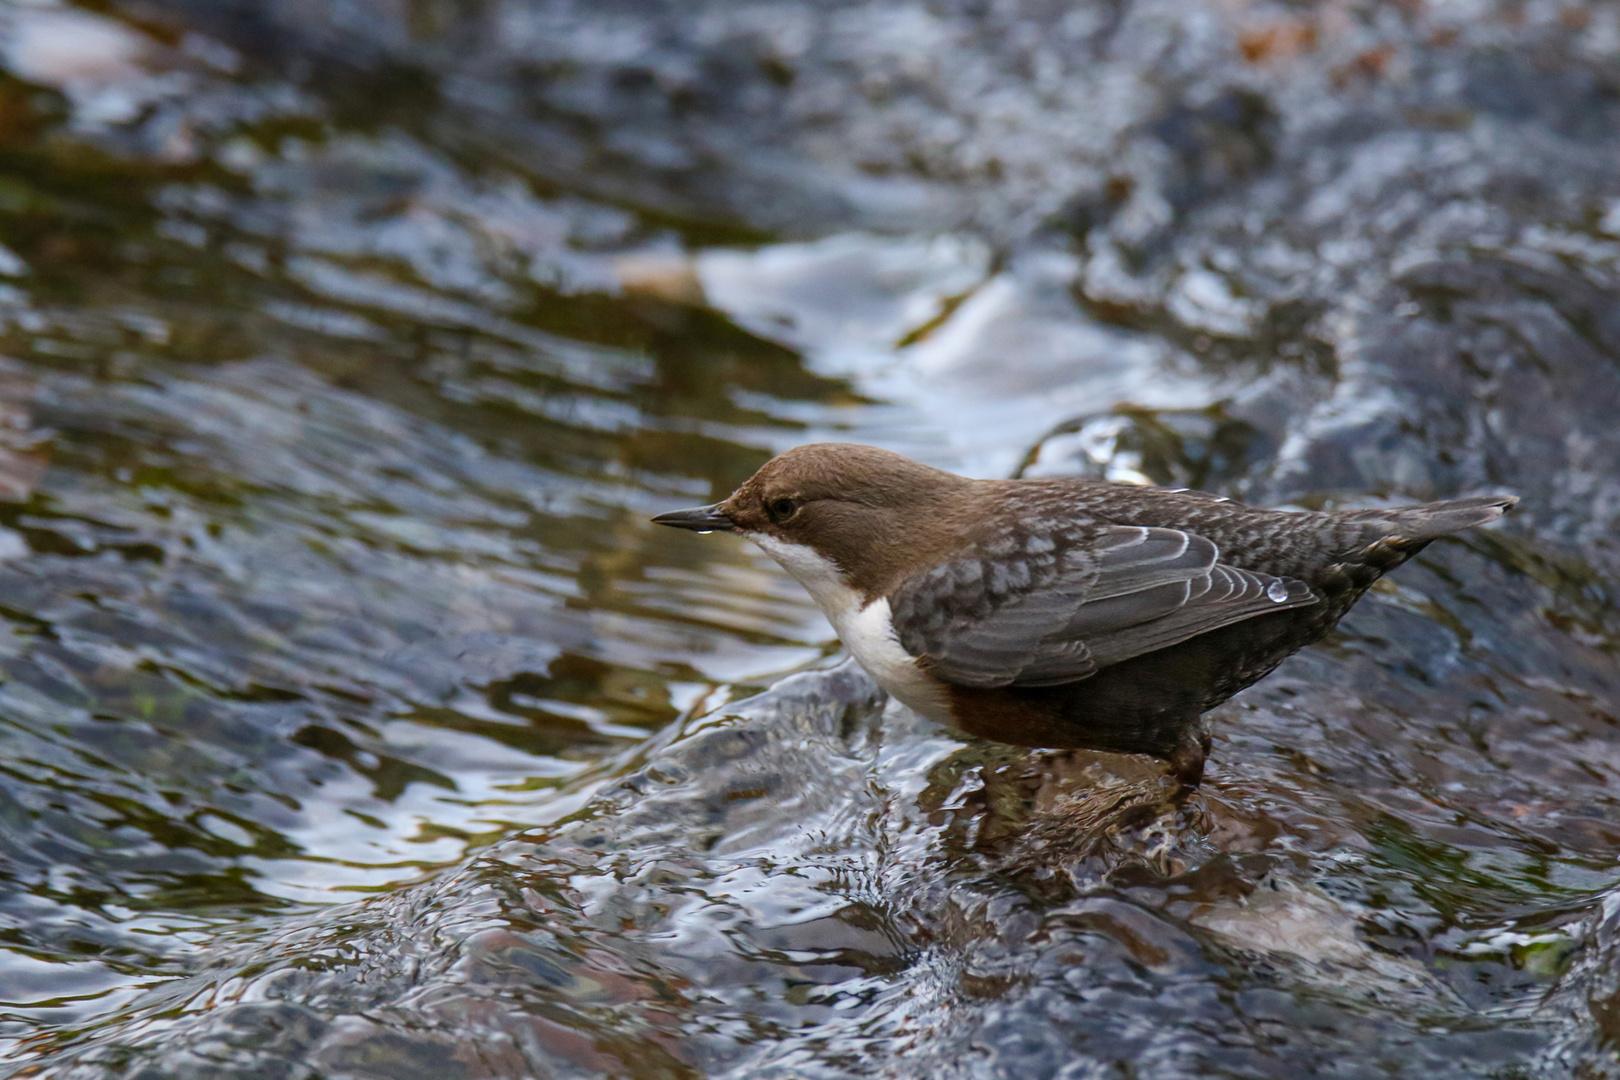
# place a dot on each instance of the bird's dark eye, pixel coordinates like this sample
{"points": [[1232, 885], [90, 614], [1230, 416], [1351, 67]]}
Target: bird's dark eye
{"points": [[782, 509]]}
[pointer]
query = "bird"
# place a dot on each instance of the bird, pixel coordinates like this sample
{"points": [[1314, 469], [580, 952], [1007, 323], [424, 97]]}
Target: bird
{"points": [[1067, 612]]}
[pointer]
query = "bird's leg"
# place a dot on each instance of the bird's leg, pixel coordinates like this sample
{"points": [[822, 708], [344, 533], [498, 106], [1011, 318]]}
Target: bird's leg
{"points": [[1187, 760]]}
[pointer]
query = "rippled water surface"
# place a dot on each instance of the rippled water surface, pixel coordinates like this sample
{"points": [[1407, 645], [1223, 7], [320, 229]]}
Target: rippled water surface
{"points": [[355, 722]]}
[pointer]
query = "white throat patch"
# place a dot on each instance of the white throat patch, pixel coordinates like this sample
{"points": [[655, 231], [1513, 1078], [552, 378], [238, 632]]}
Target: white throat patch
{"points": [[866, 630]]}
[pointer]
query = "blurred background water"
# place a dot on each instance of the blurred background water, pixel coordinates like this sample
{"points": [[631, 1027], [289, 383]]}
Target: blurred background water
{"points": [[355, 722]]}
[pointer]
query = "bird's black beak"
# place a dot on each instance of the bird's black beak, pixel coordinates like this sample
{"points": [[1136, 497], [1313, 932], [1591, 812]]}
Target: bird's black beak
{"points": [[701, 519]]}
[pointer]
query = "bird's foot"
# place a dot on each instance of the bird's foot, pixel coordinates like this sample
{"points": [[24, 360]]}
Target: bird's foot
{"points": [[1187, 760]]}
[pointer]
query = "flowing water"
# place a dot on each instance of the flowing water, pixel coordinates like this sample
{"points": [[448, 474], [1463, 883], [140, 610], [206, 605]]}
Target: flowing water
{"points": [[355, 722]]}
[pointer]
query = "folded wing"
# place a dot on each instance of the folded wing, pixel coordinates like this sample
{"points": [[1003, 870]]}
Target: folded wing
{"points": [[1062, 605]]}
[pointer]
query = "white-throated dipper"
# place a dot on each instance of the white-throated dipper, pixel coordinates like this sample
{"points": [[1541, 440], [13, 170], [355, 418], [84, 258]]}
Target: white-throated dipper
{"points": [[1066, 612]]}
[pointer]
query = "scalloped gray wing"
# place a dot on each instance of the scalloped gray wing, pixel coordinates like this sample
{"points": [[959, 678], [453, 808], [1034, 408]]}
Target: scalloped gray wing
{"points": [[1042, 607]]}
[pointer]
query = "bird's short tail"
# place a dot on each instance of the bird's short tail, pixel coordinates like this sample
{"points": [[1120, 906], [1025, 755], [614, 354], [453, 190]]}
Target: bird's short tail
{"points": [[1437, 519]]}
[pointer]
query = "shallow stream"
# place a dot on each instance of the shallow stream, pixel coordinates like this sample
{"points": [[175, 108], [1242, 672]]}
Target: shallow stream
{"points": [[356, 723]]}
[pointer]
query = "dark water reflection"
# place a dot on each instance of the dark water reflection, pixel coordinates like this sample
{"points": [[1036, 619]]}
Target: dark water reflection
{"points": [[355, 722]]}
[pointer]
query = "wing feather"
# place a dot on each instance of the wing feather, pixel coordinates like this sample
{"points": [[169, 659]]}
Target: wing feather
{"points": [[1069, 600]]}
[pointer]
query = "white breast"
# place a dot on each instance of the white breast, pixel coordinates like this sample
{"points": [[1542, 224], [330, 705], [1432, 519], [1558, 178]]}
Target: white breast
{"points": [[865, 629]]}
